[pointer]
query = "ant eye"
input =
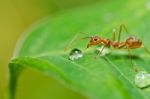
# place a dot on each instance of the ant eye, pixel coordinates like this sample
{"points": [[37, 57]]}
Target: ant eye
{"points": [[95, 39]]}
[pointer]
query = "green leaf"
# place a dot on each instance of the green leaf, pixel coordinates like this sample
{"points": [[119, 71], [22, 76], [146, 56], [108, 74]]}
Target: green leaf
{"points": [[107, 77]]}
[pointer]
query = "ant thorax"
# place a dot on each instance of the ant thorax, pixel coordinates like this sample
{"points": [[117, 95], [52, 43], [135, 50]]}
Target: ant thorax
{"points": [[106, 42], [114, 44]]}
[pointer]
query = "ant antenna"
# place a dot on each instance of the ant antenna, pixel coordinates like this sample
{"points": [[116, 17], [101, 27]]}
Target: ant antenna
{"points": [[77, 39]]}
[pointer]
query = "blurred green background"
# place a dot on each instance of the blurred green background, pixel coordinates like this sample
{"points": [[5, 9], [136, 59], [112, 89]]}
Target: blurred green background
{"points": [[16, 16]]}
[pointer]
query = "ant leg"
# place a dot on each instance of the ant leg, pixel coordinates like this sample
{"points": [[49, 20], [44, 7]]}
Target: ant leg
{"points": [[100, 52], [122, 26], [114, 35], [129, 53], [121, 45], [146, 50], [134, 68], [77, 39]]}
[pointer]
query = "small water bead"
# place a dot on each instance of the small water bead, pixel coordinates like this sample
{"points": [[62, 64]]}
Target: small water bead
{"points": [[75, 54], [105, 51], [142, 79]]}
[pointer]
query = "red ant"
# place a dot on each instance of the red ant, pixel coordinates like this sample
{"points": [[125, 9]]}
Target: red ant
{"points": [[131, 42]]}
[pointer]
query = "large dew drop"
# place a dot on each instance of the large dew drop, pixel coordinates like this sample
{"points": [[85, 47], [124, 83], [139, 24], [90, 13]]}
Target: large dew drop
{"points": [[142, 79], [75, 54]]}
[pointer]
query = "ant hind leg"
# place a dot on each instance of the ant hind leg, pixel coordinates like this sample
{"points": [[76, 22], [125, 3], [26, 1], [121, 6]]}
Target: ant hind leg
{"points": [[130, 56], [146, 50]]}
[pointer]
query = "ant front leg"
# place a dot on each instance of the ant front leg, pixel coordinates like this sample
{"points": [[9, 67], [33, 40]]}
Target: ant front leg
{"points": [[100, 52]]}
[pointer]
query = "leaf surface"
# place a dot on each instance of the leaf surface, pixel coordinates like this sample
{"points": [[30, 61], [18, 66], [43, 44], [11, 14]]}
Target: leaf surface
{"points": [[107, 77]]}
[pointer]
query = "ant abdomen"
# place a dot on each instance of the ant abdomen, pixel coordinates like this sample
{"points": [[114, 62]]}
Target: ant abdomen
{"points": [[133, 42]]}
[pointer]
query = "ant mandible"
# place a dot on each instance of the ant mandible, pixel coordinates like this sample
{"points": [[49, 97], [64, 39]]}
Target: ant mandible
{"points": [[131, 42]]}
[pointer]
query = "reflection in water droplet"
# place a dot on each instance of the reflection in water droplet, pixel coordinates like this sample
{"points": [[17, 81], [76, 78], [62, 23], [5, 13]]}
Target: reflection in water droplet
{"points": [[142, 79], [105, 51], [75, 54]]}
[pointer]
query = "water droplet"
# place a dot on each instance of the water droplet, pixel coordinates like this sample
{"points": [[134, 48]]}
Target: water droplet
{"points": [[75, 54], [105, 51], [142, 79]]}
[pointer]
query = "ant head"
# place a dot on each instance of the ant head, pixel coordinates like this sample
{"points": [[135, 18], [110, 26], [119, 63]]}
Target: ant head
{"points": [[94, 40]]}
